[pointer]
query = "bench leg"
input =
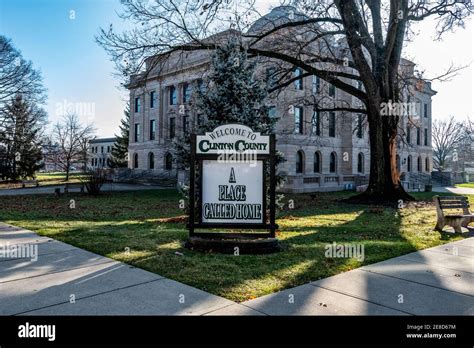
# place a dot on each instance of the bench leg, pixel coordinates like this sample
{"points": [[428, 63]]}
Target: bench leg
{"points": [[457, 226], [467, 221], [440, 224]]}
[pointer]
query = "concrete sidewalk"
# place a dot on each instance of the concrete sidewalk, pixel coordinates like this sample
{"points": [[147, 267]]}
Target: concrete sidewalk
{"points": [[66, 280], [435, 281], [455, 190], [50, 189]]}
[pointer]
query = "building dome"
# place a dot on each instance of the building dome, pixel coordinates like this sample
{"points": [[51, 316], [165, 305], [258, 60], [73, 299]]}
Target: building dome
{"points": [[276, 17]]}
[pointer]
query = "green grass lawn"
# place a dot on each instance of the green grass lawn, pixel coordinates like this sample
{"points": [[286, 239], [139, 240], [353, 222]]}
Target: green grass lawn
{"points": [[132, 227], [57, 178], [47, 179], [468, 184]]}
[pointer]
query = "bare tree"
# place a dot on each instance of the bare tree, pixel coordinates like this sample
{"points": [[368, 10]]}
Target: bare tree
{"points": [[70, 136], [355, 46], [447, 136], [17, 76]]}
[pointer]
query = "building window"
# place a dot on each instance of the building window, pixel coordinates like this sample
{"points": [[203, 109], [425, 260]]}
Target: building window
{"points": [[172, 127], [419, 164], [137, 104], [299, 162], [317, 162], [152, 129], [172, 95], [151, 161], [152, 99], [409, 164], [360, 128], [135, 160], [418, 136], [272, 112], [186, 93], [168, 161], [108, 149], [408, 134], [332, 91], [200, 85], [298, 120], [316, 123], [271, 76], [427, 164], [333, 163], [298, 82], [332, 124], [425, 110], [137, 132], [426, 136], [200, 119], [185, 124], [101, 149], [316, 84], [360, 163]]}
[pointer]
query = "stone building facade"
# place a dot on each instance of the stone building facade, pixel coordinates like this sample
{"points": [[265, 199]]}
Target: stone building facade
{"points": [[324, 152], [100, 152]]}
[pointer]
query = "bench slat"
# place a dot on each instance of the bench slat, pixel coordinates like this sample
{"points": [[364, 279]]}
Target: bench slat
{"points": [[454, 206], [452, 198]]}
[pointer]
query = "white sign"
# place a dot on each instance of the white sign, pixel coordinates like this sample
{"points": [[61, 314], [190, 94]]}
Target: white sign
{"points": [[232, 192], [233, 138]]}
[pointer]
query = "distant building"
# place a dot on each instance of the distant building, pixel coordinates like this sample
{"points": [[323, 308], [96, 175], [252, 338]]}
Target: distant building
{"points": [[464, 166], [50, 162], [100, 152]]}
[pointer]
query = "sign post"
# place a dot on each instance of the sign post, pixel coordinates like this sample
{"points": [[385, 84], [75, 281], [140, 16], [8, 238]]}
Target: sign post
{"points": [[228, 186]]}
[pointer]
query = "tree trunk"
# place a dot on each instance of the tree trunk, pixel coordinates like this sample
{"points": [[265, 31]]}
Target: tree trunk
{"points": [[384, 183], [68, 166]]}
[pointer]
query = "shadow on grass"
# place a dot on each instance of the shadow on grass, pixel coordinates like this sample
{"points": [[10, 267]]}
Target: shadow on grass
{"points": [[122, 227]]}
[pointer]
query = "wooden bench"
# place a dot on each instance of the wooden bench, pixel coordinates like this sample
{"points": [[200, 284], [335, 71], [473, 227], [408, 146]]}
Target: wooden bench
{"points": [[462, 218], [68, 186], [29, 182]]}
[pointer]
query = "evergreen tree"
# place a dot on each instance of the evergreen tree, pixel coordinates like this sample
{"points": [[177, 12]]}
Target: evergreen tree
{"points": [[120, 148], [20, 137], [231, 93]]}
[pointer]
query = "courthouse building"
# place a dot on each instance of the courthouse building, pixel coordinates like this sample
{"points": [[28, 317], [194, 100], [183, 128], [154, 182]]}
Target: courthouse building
{"points": [[324, 152]]}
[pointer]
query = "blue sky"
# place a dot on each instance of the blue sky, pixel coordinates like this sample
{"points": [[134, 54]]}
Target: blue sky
{"points": [[76, 70]]}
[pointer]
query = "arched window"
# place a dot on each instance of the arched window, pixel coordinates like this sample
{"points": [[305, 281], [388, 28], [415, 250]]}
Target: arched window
{"points": [[427, 164], [419, 164], [299, 162], [409, 164], [135, 160], [151, 161], [360, 163], [317, 162], [168, 161], [333, 163]]}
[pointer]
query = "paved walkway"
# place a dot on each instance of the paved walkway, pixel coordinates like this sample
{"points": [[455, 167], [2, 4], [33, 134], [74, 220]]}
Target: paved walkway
{"points": [[50, 189], [455, 190], [66, 280]]}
